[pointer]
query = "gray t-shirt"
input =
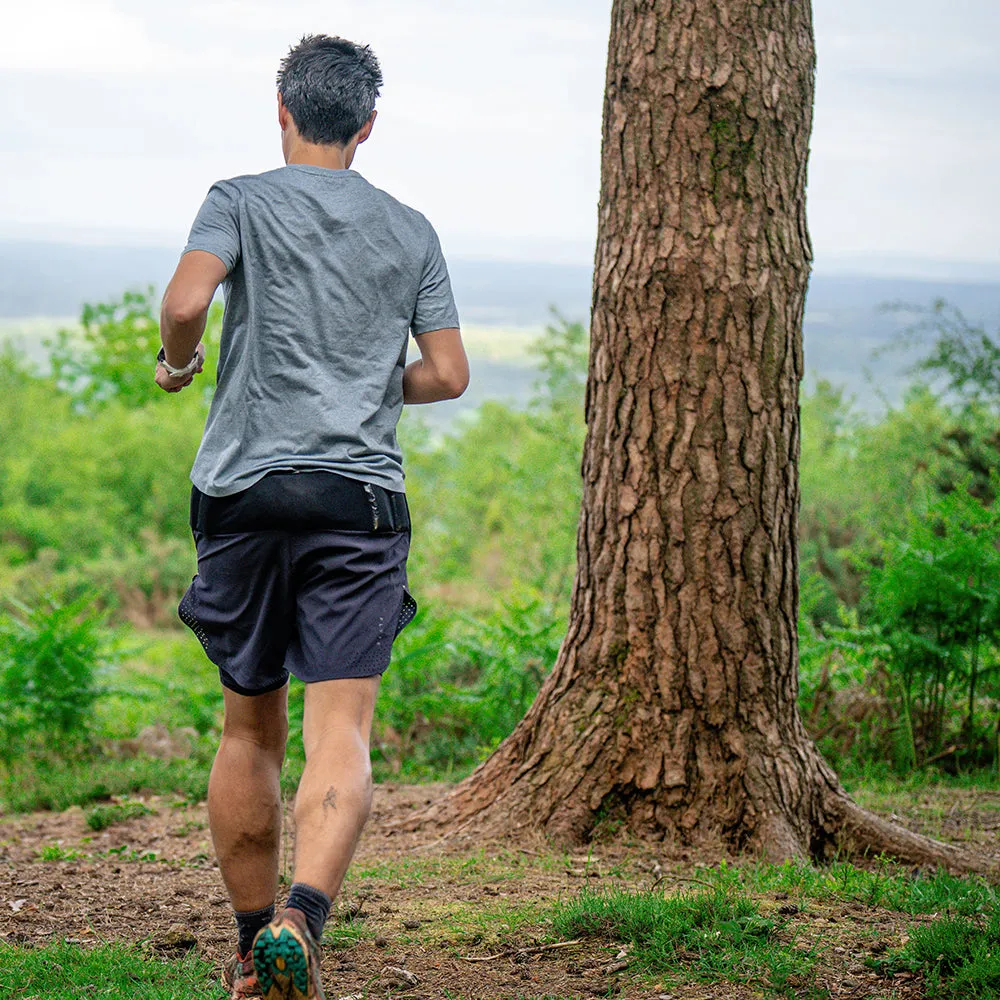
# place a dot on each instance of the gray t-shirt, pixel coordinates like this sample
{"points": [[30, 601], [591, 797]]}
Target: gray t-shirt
{"points": [[327, 276]]}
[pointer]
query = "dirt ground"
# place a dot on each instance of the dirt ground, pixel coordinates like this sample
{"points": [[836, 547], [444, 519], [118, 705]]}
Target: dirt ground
{"points": [[433, 907]]}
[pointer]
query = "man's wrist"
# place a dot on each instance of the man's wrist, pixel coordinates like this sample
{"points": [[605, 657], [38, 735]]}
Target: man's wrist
{"points": [[178, 373]]}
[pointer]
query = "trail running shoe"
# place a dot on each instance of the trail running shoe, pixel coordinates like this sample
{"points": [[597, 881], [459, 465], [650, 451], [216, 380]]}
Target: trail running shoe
{"points": [[287, 959], [239, 977]]}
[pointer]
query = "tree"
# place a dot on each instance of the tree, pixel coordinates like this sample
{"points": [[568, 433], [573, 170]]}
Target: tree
{"points": [[672, 706]]}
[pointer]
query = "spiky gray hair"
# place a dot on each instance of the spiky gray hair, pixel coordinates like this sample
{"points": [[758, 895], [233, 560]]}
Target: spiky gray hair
{"points": [[329, 86]]}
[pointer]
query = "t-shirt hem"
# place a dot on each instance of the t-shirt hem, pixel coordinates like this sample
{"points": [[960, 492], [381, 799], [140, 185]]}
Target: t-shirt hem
{"points": [[246, 480]]}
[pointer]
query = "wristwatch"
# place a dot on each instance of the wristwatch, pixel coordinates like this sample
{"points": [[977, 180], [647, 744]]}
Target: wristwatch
{"points": [[191, 366]]}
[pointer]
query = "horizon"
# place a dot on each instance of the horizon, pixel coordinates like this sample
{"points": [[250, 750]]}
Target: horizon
{"points": [[512, 92]]}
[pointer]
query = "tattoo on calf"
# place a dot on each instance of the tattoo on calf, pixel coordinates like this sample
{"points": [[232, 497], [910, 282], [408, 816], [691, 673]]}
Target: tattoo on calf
{"points": [[330, 800]]}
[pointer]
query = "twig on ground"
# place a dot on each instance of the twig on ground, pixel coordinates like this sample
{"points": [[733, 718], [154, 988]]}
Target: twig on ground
{"points": [[511, 952], [447, 836]]}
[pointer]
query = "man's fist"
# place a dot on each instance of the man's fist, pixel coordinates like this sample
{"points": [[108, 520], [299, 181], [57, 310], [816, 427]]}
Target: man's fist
{"points": [[168, 383]]}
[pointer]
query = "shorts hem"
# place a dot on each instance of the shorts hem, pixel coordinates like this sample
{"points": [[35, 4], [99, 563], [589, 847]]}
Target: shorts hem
{"points": [[229, 682]]}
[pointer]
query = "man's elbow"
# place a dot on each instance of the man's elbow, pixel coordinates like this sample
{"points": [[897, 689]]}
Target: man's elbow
{"points": [[455, 383], [179, 310]]}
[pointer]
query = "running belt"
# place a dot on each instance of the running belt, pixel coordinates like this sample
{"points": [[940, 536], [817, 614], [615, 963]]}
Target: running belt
{"points": [[302, 501]]}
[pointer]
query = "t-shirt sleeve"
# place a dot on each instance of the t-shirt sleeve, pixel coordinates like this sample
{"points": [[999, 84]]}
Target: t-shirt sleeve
{"points": [[216, 227], [435, 308]]}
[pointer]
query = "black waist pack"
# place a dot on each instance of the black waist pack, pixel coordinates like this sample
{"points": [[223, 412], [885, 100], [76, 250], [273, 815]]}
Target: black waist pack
{"points": [[302, 501]]}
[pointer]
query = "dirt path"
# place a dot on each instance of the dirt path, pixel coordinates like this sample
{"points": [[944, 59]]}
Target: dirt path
{"points": [[419, 904]]}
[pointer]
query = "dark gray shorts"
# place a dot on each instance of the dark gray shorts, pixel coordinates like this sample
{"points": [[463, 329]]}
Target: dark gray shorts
{"points": [[321, 605]]}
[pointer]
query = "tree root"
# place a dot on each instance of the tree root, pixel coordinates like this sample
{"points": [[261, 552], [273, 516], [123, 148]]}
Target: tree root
{"points": [[860, 832]]}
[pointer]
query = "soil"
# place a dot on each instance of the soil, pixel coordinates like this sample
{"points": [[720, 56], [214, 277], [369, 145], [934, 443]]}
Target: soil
{"points": [[432, 906]]}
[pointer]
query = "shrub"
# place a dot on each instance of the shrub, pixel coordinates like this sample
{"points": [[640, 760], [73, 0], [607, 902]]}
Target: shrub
{"points": [[50, 659]]}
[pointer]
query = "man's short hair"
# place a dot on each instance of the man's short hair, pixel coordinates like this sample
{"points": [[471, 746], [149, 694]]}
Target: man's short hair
{"points": [[329, 86]]}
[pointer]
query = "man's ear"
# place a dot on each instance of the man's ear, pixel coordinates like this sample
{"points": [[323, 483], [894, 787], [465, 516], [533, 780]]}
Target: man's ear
{"points": [[366, 129], [283, 113]]}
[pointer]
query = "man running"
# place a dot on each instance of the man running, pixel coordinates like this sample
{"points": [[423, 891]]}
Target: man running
{"points": [[297, 509]]}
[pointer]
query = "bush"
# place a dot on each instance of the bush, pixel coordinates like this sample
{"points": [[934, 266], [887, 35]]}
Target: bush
{"points": [[50, 660]]}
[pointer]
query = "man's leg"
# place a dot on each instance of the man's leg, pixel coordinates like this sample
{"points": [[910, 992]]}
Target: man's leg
{"points": [[244, 796], [331, 807], [335, 793]]}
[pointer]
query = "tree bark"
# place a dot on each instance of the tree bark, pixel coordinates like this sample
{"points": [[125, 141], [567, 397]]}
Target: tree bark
{"points": [[672, 708]]}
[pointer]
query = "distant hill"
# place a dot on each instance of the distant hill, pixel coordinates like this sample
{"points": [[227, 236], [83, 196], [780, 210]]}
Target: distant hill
{"points": [[844, 322]]}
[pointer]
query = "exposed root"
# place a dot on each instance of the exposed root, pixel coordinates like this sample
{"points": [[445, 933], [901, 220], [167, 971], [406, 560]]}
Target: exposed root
{"points": [[861, 832]]}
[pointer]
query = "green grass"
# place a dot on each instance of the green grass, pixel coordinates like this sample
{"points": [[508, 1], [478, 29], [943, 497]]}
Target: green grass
{"points": [[716, 935], [101, 817], [41, 783], [112, 972], [958, 957], [891, 886]]}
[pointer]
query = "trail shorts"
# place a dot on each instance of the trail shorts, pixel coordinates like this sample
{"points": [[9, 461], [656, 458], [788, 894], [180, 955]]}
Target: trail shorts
{"points": [[321, 605]]}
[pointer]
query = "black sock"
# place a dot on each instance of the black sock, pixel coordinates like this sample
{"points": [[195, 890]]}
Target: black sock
{"points": [[314, 903], [247, 925]]}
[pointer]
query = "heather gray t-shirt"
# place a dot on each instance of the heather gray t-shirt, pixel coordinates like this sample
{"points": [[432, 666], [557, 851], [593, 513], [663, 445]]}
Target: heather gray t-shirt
{"points": [[327, 276]]}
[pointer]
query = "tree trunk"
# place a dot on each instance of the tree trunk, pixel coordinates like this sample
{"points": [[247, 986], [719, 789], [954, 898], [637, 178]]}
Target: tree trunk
{"points": [[672, 708]]}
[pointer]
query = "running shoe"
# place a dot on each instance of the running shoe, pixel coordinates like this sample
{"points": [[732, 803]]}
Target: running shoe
{"points": [[286, 958], [239, 977]]}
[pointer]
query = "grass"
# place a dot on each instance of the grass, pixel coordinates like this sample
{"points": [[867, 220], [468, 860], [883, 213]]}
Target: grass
{"points": [[891, 886], [714, 935], [65, 972], [42, 783], [958, 957], [101, 817]]}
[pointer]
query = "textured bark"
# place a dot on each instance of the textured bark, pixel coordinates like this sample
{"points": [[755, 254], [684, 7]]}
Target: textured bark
{"points": [[673, 705]]}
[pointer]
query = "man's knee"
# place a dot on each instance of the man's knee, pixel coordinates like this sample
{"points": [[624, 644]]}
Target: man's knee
{"points": [[338, 714], [261, 720]]}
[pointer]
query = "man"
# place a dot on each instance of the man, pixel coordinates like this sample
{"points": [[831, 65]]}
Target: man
{"points": [[298, 510]]}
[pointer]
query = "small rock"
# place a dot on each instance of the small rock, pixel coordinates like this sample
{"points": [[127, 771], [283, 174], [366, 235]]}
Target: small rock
{"points": [[403, 976], [176, 937], [788, 909], [411, 925], [381, 941]]}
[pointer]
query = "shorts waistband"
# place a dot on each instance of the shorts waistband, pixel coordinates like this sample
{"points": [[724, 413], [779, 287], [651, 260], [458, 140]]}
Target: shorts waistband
{"points": [[311, 500]]}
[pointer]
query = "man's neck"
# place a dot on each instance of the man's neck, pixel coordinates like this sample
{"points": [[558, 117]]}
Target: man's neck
{"points": [[310, 154]]}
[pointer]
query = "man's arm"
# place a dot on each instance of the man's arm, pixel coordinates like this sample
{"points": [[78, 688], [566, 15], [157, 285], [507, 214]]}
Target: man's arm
{"points": [[184, 312], [442, 371]]}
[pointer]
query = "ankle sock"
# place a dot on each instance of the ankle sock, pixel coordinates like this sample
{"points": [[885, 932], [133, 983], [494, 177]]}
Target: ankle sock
{"points": [[314, 903], [247, 925]]}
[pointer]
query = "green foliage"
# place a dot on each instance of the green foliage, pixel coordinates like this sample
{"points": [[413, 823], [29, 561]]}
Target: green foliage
{"points": [[114, 356], [50, 659], [958, 957], [458, 685], [57, 782], [936, 600], [66, 972], [961, 355], [101, 817], [716, 934], [890, 886], [496, 502]]}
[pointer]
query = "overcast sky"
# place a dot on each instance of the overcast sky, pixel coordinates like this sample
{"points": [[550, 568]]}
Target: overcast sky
{"points": [[119, 114]]}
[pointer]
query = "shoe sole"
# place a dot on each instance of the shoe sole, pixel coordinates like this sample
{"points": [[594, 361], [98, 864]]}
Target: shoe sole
{"points": [[281, 960]]}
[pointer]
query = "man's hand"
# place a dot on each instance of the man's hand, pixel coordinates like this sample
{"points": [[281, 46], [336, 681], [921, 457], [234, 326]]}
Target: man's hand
{"points": [[168, 383]]}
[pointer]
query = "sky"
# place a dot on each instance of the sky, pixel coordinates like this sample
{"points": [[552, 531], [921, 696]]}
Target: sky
{"points": [[119, 115]]}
